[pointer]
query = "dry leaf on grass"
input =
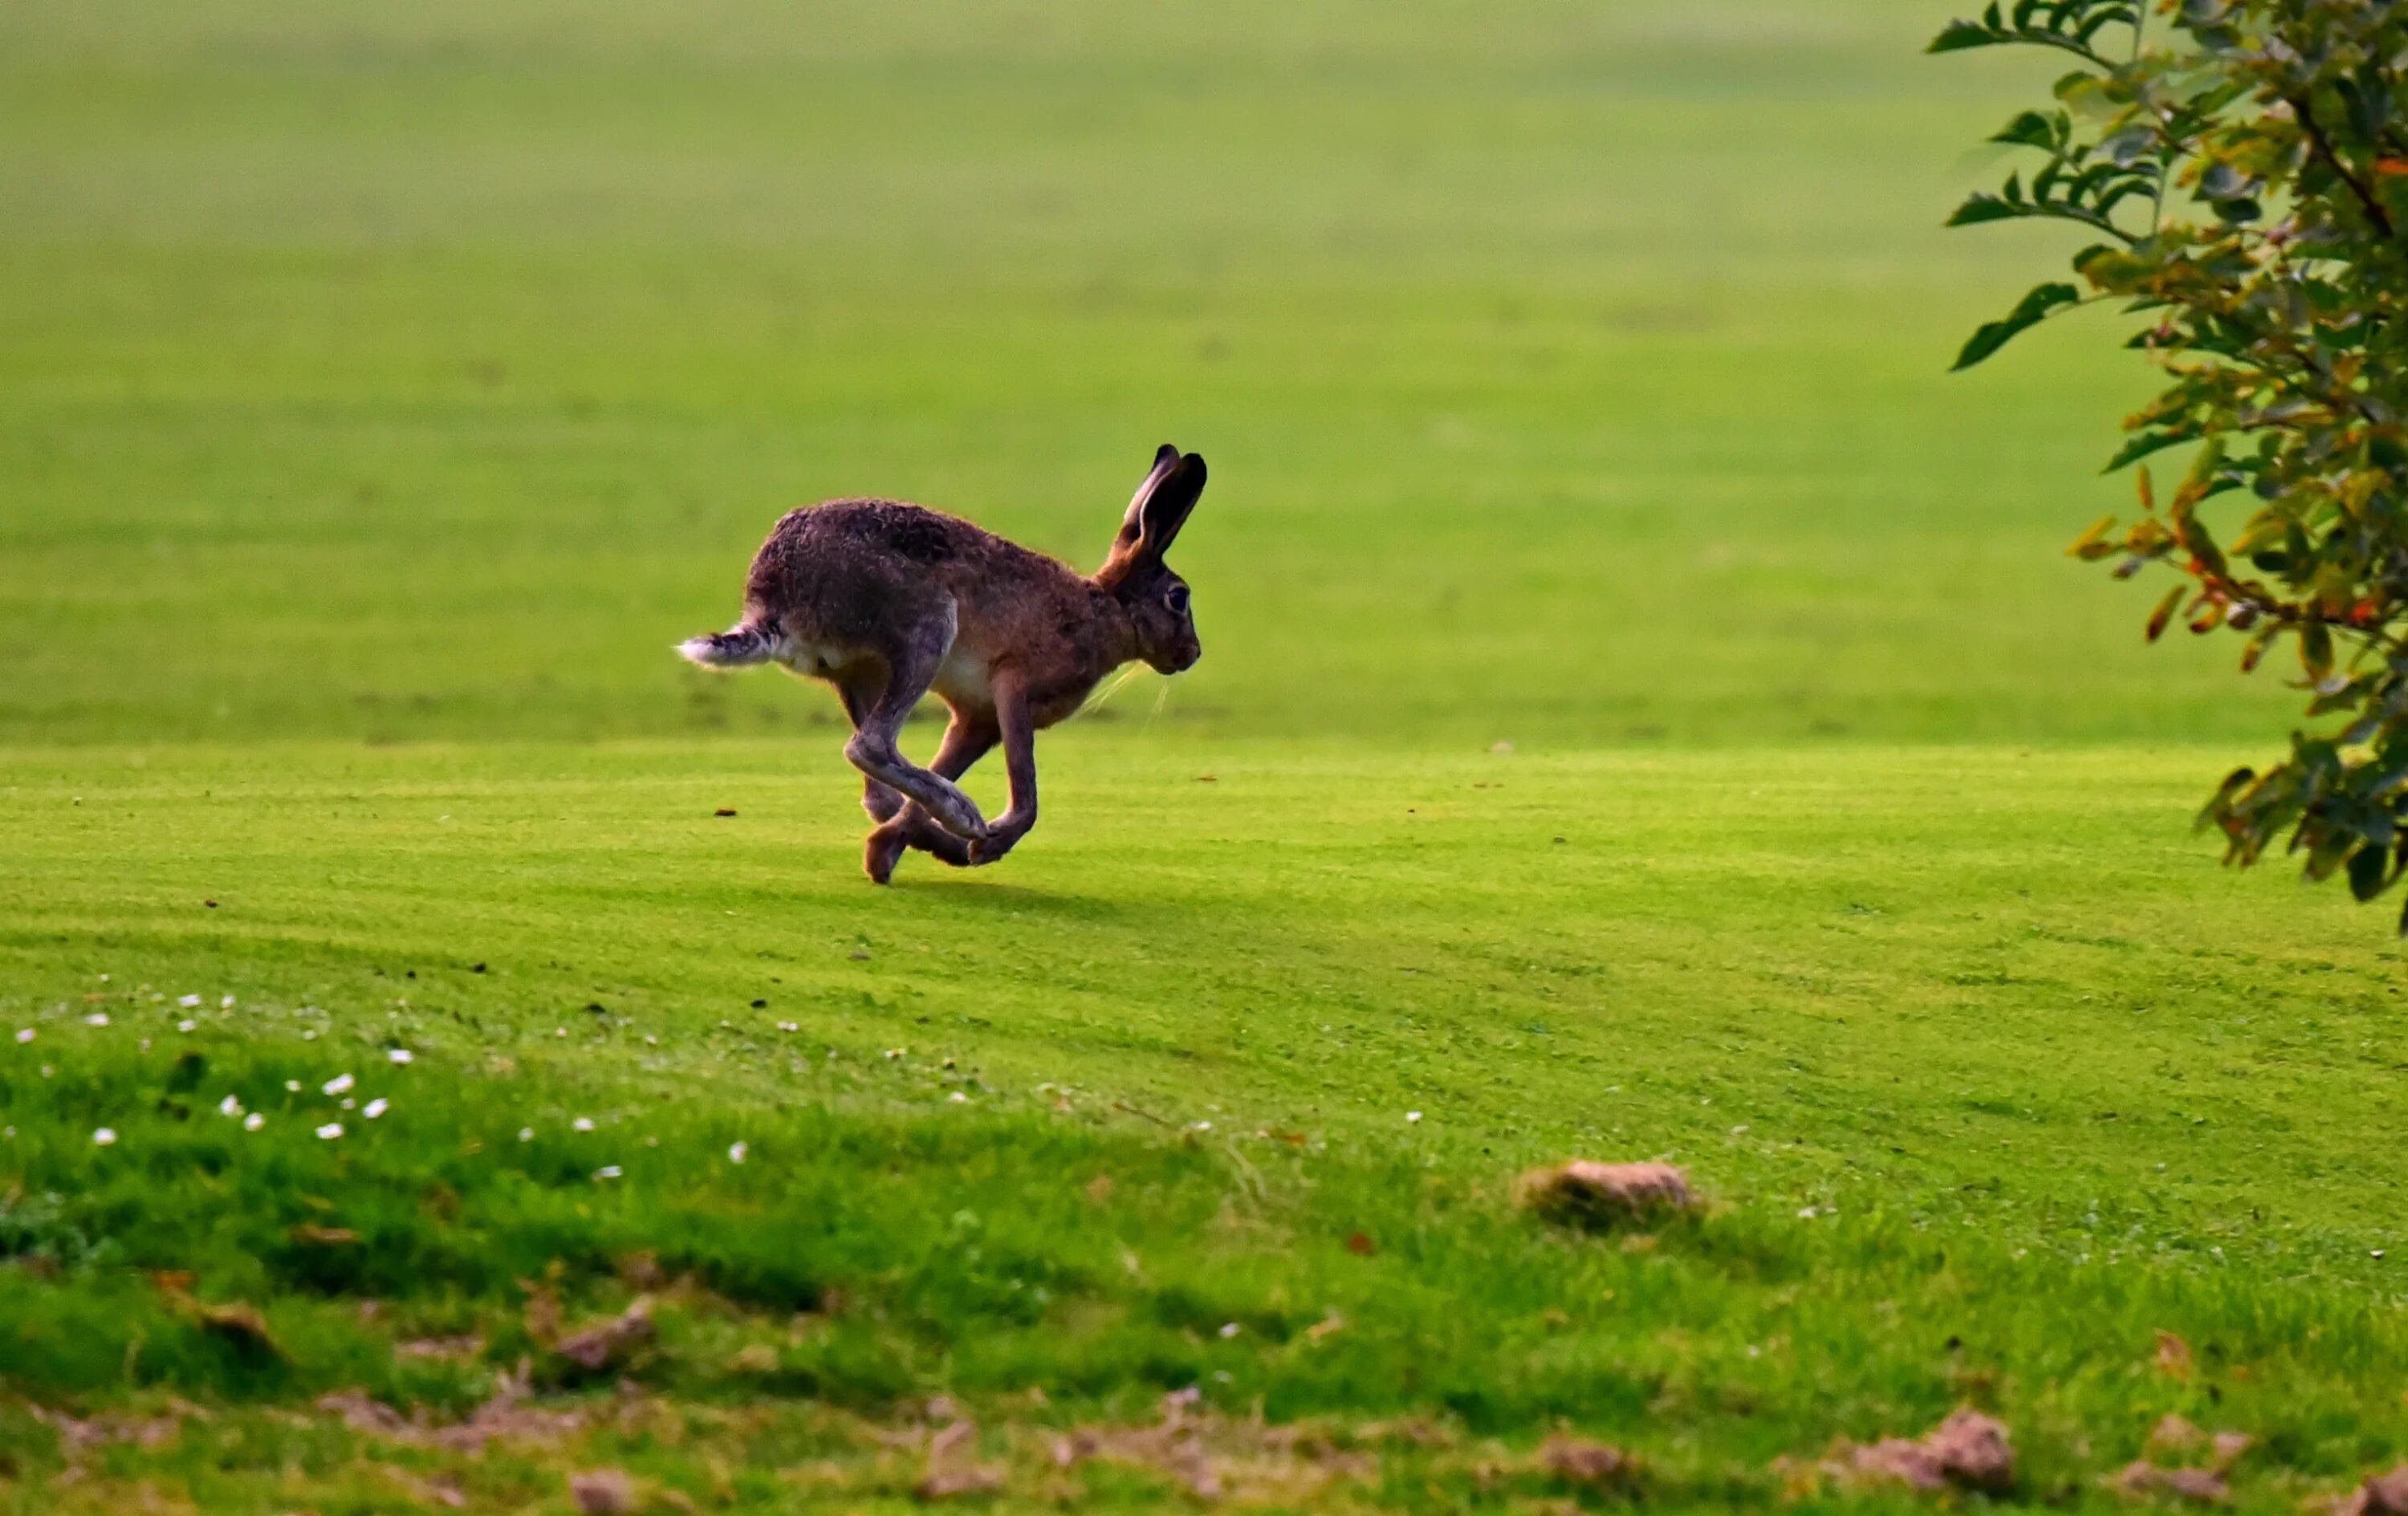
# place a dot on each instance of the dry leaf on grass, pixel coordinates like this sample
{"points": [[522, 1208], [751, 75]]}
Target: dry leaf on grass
{"points": [[2173, 1434], [603, 1492], [1213, 1457], [1603, 1196], [1590, 1463], [2173, 1356], [443, 1489], [322, 1236], [945, 1485], [451, 1350], [754, 1358], [953, 1469], [75, 1434], [543, 1312], [1968, 1450], [2142, 1479], [599, 1348], [500, 1417], [2382, 1495], [238, 1324]]}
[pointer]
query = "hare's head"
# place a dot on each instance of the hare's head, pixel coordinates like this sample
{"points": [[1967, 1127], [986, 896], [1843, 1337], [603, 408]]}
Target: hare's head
{"points": [[1155, 598]]}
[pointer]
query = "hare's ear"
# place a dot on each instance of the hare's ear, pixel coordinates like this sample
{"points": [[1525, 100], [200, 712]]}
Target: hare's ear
{"points": [[1161, 504]]}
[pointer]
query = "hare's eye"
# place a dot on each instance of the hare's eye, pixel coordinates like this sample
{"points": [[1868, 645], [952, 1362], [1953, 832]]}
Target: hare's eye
{"points": [[1178, 598]]}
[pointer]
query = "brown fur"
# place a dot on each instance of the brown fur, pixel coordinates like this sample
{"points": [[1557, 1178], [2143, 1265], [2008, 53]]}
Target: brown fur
{"points": [[887, 601]]}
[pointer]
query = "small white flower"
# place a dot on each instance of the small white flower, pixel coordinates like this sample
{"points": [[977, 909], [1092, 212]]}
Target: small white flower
{"points": [[960, 1099], [650, 1041], [225, 1003], [1807, 1214], [103, 1137], [376, 1108], [1229, 1329], [399, 1055], [736, 1151], [24, 1034], [330, 1131], [790, 1026], [526, 1134], [9, 1132], [1203, 1126], [188, 1001], [337, 1084], [560, 1031], [293, 1086], [608, 1171], [186, 1025], [309, 1036], [230, 1106], [349, 1102], [98, 1018], [582, 1124], [253, 1122], [1413, 1116]]}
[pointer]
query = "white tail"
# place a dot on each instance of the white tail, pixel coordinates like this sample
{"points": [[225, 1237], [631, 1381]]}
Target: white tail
{"points": [[731, 648]]}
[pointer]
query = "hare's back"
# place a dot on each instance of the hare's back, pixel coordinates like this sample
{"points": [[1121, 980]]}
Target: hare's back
{"points": [[848, 570]]}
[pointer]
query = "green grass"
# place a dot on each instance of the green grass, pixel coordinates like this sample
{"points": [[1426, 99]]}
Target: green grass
{"points": [[2044, 1076], [384, 390]]}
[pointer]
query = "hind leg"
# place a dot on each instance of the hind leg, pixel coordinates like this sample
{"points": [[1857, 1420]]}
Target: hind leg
{"points": [[910, 664], [859, 695], [967, 741]]}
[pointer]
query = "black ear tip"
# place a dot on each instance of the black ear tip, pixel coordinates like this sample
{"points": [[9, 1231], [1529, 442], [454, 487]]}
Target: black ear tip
{"points": [[1165, 454], [1196, 462]]}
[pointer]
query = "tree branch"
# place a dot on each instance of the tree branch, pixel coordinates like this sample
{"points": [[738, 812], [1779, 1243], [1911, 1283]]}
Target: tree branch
{"points": [[2302, 108]]}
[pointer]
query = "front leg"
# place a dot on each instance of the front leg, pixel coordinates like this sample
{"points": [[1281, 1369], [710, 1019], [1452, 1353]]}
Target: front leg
{"points": [[1019, 737], [966, 740]]}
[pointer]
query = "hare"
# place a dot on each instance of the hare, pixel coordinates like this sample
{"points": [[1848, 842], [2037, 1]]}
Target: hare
{"points": [[886, 601]]}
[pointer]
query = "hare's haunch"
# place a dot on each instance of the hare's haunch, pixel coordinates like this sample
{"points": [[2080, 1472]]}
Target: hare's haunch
{"points": [[887, 601]]}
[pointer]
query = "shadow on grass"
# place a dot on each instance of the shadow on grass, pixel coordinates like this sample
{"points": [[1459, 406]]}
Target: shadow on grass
{"points": [[1015, 900]]}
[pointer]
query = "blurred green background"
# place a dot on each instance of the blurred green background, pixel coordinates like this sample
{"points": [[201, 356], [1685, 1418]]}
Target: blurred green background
{"points": [[1573, 374]]}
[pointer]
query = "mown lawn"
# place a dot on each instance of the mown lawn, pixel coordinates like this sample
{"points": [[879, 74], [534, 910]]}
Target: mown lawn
{"points": [[1985, 1095], [1645, 714]]}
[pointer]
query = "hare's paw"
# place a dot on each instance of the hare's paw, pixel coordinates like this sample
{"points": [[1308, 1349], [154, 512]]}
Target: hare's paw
{"points": [[880, 854], [958, 814], [1000, 839]]}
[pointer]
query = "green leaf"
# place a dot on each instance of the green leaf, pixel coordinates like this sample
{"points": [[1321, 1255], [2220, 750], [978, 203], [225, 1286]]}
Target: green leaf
{"points": [[1959, 35], [2029, 311], [2030, 130], [2146, 443], [1980, 207], [2367, 868], [2315, 650]]}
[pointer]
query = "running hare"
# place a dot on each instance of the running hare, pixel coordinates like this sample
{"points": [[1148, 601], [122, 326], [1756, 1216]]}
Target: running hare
{"points": [[887, 601]]}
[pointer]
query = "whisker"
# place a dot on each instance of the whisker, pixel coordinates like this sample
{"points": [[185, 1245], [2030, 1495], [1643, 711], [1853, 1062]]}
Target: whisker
{"points": [[1097, 700]]}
